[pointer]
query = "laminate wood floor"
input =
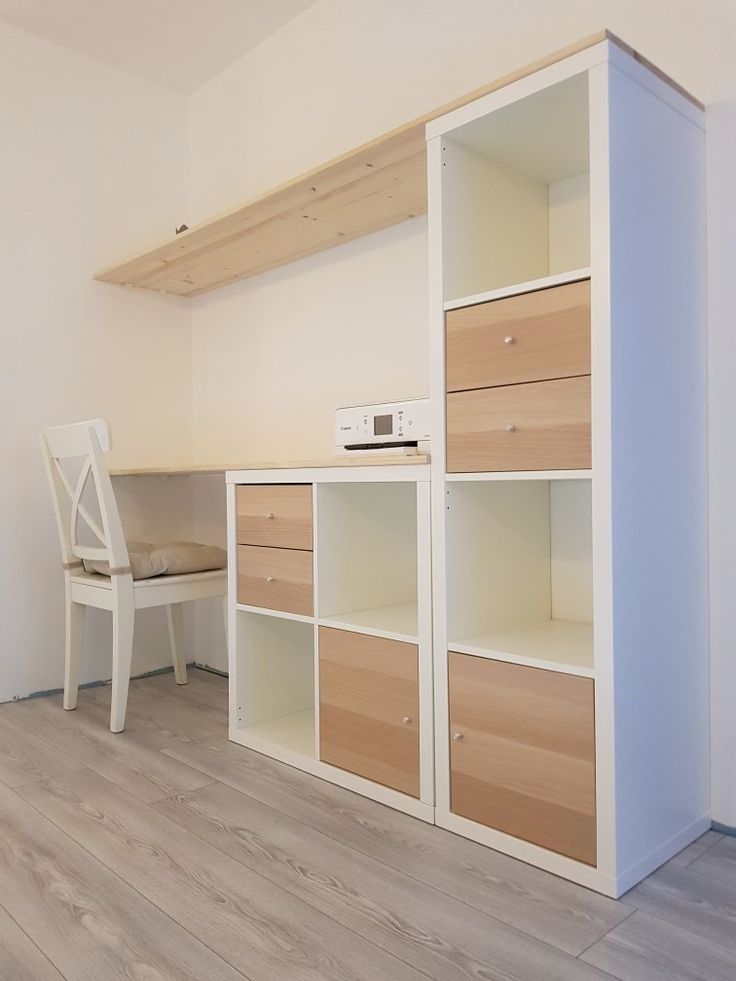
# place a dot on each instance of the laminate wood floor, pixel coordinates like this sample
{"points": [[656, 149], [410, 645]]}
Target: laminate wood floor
{"points": [[167, 853]]}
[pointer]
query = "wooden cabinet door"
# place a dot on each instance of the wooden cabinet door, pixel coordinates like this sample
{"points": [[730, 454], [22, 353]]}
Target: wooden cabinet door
{"points": [[275, 578], [369, 707], [522, 753], [525, 338], [537, 426], [277, 515]]}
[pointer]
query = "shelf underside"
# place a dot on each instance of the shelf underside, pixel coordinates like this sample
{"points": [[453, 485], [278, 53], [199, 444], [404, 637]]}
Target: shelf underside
{"points": [[555, 645], [372, 187]]}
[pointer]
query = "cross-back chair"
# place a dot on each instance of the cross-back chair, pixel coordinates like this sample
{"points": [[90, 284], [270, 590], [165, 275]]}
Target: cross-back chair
{"points": [[81, 447]]}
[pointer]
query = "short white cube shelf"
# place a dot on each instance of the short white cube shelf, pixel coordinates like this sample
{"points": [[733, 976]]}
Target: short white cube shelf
{"points": [[330, 625]]}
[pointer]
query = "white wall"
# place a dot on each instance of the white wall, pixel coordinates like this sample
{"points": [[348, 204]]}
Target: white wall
{"points": [[269, 365], [93, 161]]}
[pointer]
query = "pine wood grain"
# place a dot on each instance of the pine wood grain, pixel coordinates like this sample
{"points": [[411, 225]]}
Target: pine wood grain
{"points": [[547, 907], [435, 901], [86, 921], [254, 925], [369, 707], [368, 188], [448, 941], [133, 762], [155, 712], [25, 758], [20, 958], [531, 337]]}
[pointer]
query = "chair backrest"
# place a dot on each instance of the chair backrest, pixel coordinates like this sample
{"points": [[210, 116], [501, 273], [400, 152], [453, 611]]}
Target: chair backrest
{"points": [[74, 456]]}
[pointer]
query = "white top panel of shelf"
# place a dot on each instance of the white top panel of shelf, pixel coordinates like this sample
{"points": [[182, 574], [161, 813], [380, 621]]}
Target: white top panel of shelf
{"points": [[517, 289], [390, 469]]}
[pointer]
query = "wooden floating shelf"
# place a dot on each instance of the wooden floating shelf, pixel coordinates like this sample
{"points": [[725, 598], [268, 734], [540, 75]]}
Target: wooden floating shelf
{"points": [[377, 185]]}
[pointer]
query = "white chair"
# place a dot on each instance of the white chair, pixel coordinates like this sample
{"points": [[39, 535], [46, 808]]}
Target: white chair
{"points": [[82, 446]]}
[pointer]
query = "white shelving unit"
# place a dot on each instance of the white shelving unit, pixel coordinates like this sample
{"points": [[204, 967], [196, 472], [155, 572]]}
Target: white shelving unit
{"points": [[544, 690], [584, 591], [371, 578]]}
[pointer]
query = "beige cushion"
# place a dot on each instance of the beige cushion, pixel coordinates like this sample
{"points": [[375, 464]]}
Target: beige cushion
{"points": [[171, 559]]}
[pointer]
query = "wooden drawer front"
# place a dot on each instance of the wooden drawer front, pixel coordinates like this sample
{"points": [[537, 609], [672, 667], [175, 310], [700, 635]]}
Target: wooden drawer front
{"points": [[522, 753], [520, 339], [369, 707], [275, 514], [539, 426], [275, 578]]}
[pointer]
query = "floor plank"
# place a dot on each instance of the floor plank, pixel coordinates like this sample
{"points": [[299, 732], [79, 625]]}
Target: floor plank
{"points": [[251, 923], [719, 861], [690, 900], [540, 904], [127, 759], [438, 934], [25, 758], [645, 948], [85, 920], [20, 958], [290, 876], [157, 715], [698, 848]]}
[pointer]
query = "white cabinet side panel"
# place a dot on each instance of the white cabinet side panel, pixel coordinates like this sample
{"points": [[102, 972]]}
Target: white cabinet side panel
{"points": [[659, 483]]}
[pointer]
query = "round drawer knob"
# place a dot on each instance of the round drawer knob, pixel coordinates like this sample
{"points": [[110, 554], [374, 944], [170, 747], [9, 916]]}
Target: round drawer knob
{"points": [[457, 735], [406, 720], [270, 579], [269, 516], [509, 340], [510, 427]]}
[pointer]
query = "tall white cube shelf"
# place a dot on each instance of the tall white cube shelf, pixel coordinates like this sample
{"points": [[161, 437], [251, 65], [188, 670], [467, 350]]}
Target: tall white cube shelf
{"points": [[569, 556], [330, 637]]}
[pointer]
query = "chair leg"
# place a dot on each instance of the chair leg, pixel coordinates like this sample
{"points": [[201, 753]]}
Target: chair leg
{"points": [[175, 618], [123, 624], [75, 616]]}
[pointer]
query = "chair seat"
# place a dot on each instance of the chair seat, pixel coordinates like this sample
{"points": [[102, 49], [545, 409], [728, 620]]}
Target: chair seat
{"points": [[93, 589], [105, 582]]}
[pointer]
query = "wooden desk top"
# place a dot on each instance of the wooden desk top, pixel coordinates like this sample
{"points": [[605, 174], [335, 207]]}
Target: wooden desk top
{"points": [[221, 468]]}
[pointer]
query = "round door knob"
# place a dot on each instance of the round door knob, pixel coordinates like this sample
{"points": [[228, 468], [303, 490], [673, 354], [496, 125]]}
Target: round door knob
{"points": [[509, 340], [510, 427], [270, 579], [269, 516], [457, 735], [406, 720]]}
